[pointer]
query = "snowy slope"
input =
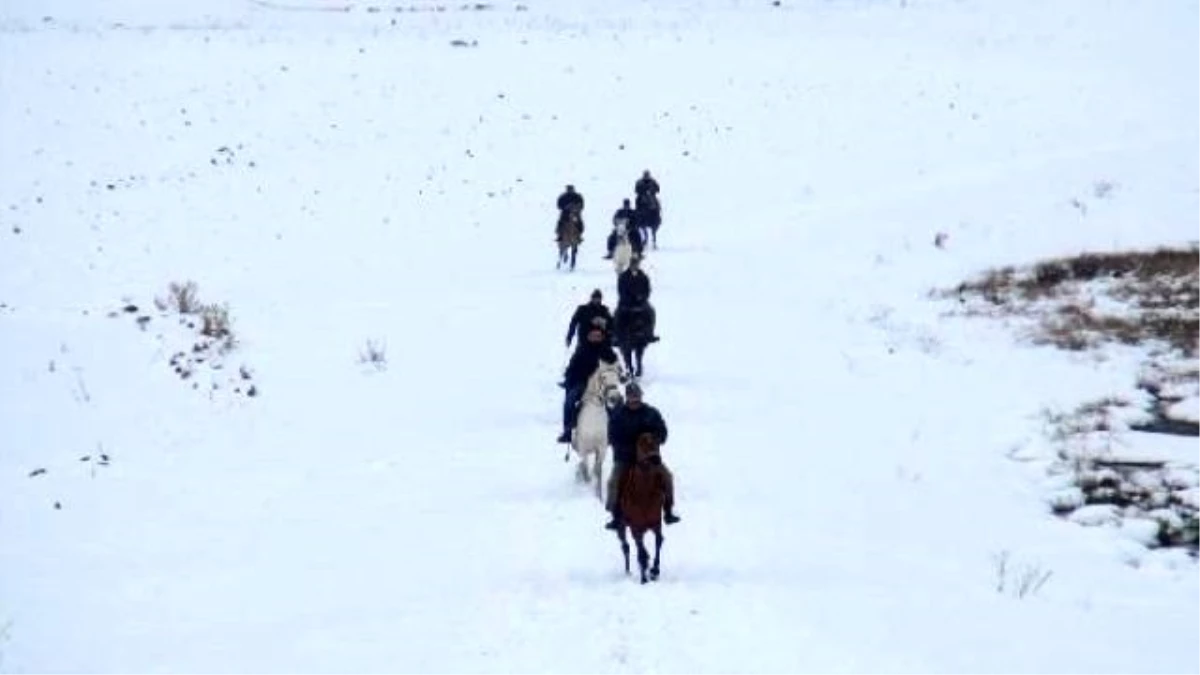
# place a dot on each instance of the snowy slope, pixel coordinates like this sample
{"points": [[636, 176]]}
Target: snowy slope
{"points": [[344, 176]]}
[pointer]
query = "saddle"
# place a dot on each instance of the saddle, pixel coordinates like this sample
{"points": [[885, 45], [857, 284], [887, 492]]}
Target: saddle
{"points": [[633, 322], [641, 486]]}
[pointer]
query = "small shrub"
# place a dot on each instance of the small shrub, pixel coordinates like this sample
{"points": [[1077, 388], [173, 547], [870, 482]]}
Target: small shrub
{"points": [[374, 354], [180, 298], [1020, 581], [215, 321]]}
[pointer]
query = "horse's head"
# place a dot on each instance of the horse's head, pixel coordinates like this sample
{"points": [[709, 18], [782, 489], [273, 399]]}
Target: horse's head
{"points": [[647, 448], [606, 383]]}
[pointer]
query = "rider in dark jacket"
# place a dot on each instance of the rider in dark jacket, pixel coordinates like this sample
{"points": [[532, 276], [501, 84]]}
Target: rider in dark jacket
{"points": [[646, 185], [633, 292], [633, 286], [637, 240], [584, 361], [570, 198], [566, 201], [624, 426], [585, 316], [627, 216], [624, 213]]}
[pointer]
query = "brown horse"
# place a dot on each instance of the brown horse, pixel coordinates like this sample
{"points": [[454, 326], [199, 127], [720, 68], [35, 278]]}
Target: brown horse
{"points": [[569, 234], [644, 489]]}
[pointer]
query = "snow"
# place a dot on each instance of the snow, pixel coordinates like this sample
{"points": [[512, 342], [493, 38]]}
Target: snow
{"points": [[843, 450], [1188, 409]]}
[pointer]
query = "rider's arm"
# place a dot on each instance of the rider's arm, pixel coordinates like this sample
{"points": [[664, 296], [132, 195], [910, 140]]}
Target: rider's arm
{"points": [[571, 327]]}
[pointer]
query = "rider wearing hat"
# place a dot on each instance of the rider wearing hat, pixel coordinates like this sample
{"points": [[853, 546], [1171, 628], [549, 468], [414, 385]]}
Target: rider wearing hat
{"points": [[586, 315]]}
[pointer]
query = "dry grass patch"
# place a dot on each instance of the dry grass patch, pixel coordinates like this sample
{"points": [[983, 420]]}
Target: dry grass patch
{"points": [[1145, 299], [1081, 302]]}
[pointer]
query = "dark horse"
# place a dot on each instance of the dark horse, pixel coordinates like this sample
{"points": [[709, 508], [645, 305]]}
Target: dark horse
{"points": [[644, 489], [568, 234], [648, 215], [634, 332]]}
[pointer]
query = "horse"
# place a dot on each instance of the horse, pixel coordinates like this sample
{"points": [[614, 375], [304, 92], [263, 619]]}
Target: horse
{"points": [[648, 213], [623, 251], [645, 489], [570, 234], [603, 391], [634, 332]]}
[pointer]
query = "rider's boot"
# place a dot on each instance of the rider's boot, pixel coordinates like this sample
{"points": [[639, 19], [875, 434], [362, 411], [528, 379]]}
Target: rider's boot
{"points": [[669, 514], [614, 522]]}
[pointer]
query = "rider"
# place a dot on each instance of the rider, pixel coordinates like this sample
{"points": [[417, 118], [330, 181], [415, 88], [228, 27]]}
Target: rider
{"points": [[625, 425], [637, 240], [585, 316], [583, 364], [568, 201], [646, 185], [633, 291], [625, 215]]}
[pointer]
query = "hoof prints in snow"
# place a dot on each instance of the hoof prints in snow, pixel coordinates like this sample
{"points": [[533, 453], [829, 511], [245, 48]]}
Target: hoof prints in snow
{"points": [[226, 156], [223, 156], [94, 463], [376, 9]]}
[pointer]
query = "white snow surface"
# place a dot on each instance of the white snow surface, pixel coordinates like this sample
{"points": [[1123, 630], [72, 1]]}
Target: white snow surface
{"points": [[840, 448]]}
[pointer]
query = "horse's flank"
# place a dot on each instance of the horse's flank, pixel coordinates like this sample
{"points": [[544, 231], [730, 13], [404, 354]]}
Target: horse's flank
{"points": [[569, 235]]}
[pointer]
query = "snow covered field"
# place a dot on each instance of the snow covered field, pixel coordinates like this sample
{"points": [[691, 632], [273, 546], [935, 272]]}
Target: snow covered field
{"points": [[843, 451]]}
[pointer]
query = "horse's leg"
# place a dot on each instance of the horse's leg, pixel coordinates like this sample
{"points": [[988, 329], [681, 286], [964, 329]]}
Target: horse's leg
{"points": [[574, 252], [624, 547], [658, 542], [639, 537], [640, 353], [598, 470], [582, 472]]}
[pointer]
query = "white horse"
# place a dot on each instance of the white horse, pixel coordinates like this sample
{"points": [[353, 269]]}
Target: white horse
{"points": [[591, 429], [623, 251]]}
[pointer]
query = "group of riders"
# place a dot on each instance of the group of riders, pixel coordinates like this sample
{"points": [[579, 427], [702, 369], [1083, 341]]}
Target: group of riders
{"points": [[596, 331], [639, 221]]}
